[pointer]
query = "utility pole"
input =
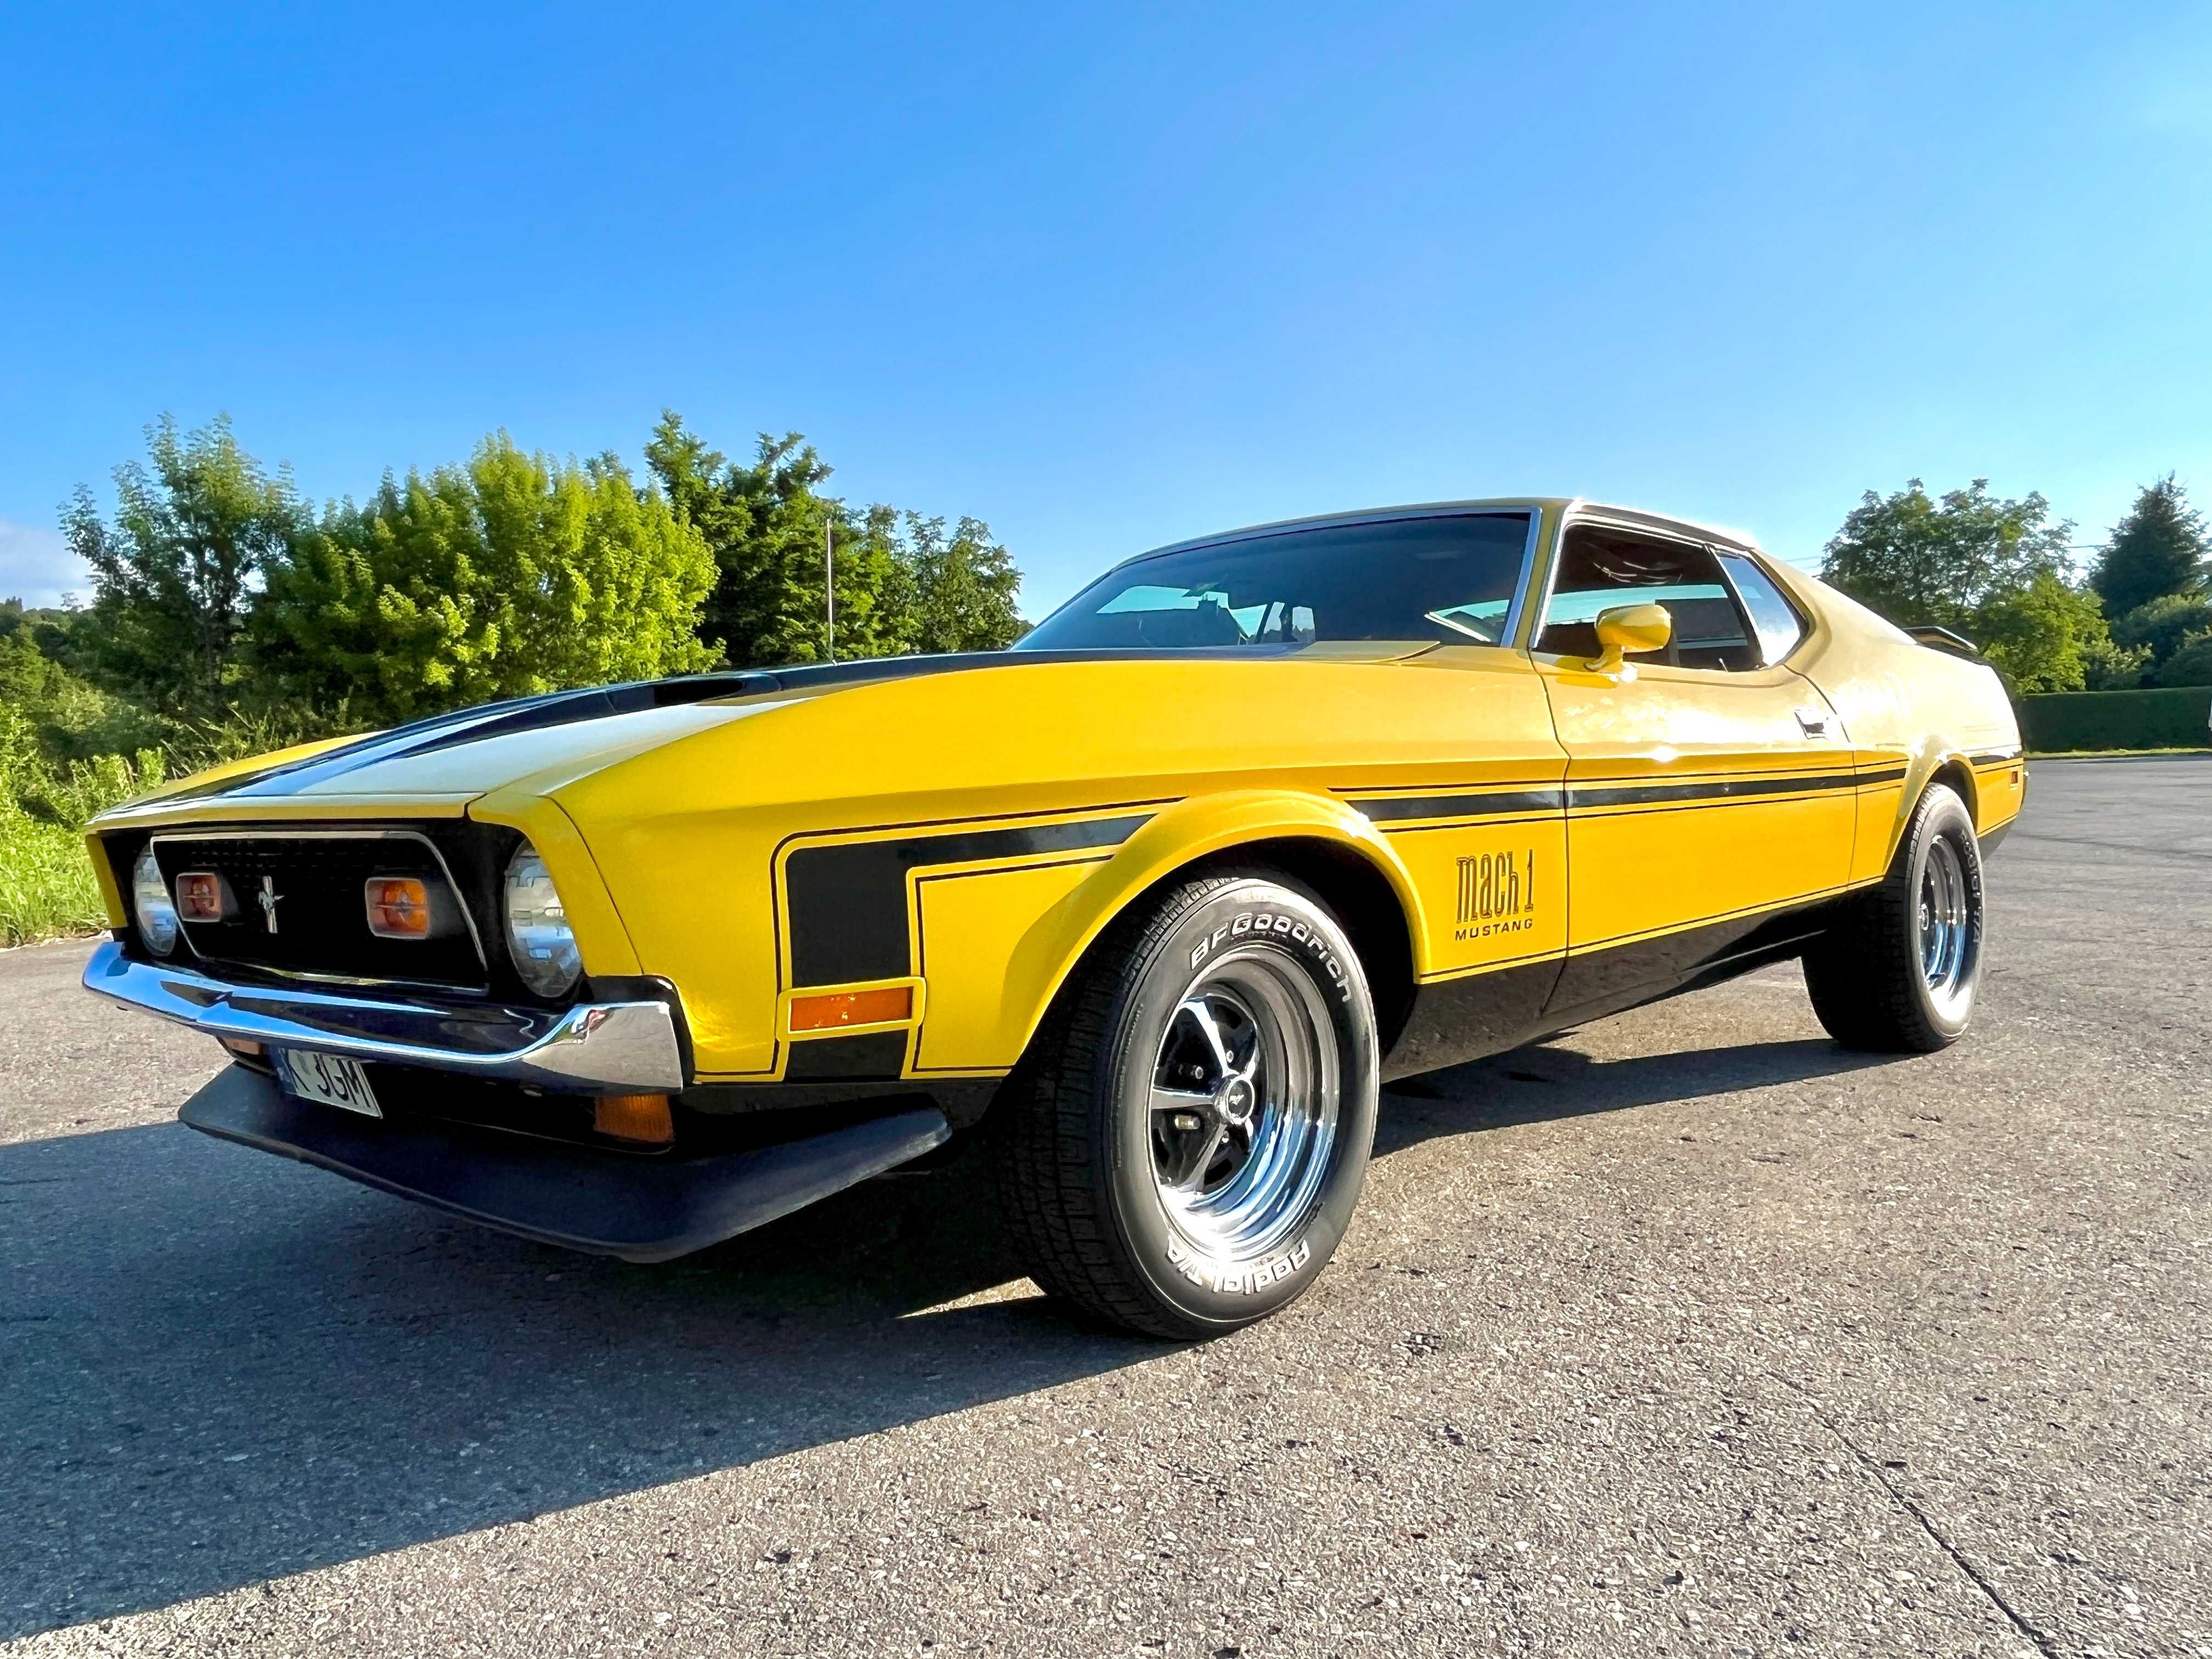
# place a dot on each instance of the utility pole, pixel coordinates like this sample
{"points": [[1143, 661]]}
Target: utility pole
{"points": [[830, 587]]}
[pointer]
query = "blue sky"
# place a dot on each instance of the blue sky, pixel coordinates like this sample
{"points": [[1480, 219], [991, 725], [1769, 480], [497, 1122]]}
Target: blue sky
{"points": [[1110, 276]]}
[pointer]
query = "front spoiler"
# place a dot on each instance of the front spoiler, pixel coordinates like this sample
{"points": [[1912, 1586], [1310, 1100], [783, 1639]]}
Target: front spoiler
{"points": [[615, 1046], [641, 1209]]}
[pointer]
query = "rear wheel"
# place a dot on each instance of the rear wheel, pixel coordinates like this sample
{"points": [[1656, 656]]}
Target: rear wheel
{"points": [[1183, 1147], [1899, 972]]}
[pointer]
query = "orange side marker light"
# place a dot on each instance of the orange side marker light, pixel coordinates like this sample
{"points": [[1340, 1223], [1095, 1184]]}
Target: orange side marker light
{"points": [[836, 1010]]}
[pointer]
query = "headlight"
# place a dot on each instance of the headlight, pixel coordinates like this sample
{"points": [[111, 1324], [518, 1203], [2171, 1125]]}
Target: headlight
{"points": [[537, 933], [150, 897]]}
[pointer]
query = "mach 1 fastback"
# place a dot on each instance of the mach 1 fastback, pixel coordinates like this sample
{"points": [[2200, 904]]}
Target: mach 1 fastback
{"points": [[1153, 903]]}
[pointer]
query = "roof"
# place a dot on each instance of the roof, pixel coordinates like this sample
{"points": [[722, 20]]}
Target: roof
{"points": [[1581, 507]]}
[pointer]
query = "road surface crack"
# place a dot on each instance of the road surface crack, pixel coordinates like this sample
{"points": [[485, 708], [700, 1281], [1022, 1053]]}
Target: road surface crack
{"points": [[1873, 1466]]}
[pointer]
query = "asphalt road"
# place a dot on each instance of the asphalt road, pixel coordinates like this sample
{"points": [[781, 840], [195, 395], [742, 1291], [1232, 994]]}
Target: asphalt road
{"points": [[1685, 1333]]}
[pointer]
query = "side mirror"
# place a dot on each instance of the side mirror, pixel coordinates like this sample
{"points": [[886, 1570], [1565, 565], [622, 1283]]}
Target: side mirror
{"points": [[1628, 628]]}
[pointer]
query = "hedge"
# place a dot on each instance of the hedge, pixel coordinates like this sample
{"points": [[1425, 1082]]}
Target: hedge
{"points": [[2173, 718]]}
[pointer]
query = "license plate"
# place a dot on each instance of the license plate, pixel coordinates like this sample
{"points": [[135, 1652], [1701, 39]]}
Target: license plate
{"points": [[329, 1079]]}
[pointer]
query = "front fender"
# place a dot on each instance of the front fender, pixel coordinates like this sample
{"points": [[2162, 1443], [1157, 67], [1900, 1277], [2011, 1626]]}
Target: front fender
{"points": [[601, 937], [1178, 837]]}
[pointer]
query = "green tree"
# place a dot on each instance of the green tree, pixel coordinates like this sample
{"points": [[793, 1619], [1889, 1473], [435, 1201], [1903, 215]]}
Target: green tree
{"points": [[1919, 560], [175, 574], [960, 588], [2045, 636], [902, 583], [2157, 551], [765, 526], [510, 575]]}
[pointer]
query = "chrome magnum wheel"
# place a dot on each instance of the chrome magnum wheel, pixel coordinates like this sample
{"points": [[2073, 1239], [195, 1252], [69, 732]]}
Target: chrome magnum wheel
{"points": [[1184, 1145], [1244, 1104], [1899, 971], [1947, 924]]}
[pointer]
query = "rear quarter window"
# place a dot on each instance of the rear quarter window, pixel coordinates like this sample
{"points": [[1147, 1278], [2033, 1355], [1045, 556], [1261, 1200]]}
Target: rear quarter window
{"points": [[1774, 620]]}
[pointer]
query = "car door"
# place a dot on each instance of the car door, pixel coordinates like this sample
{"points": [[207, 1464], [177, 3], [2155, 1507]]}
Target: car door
{"points": [[1710, 788]]}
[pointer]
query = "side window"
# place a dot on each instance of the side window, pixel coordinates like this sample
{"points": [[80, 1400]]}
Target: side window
{"points": [[1773, 619], [1600, 568]]}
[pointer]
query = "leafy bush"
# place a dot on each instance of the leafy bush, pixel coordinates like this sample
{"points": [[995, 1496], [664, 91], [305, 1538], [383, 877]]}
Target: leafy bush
{"points": [[2190, 666], [2164, 624], [513, 574], [2109, 667]]}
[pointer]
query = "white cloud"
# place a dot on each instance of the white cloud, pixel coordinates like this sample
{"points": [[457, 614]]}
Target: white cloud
{"points": [[37, 567]]}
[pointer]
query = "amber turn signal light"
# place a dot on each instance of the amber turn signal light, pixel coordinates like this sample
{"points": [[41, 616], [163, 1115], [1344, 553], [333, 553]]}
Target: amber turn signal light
{"points": [[839, 1009], [398, 908], [634, 1117], [199, 896]]}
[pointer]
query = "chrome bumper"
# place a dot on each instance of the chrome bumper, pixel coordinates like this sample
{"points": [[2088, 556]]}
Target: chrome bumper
{"points": [[603, 1046]]}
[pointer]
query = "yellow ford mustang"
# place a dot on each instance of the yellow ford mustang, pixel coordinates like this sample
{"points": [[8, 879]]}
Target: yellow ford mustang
{"points": [[1156, 900]]}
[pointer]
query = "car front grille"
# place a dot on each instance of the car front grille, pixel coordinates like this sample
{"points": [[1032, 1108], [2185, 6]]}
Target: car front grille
{"points": [[297, 905]]}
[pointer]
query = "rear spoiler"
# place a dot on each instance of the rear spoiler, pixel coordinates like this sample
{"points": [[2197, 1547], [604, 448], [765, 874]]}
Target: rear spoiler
{"points": [[1943, 640]]}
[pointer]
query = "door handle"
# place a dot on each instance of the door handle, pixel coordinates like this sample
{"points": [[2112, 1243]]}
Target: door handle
{"points": [[1813, 722]]}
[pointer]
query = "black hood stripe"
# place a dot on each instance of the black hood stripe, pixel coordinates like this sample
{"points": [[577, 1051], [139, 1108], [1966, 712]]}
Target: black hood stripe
{"points": [[496, 720]]}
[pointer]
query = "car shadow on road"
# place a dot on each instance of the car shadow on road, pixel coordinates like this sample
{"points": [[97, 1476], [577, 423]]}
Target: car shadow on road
{"points": [[219, 1368], [1551, 1080], [216, 1368]]}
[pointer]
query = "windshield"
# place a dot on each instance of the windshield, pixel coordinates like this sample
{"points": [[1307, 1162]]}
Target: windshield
{"points": [[1450, 578]]}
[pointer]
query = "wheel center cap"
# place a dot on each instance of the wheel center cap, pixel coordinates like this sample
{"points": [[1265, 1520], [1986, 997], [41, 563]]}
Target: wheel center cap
{"points": [[1235, 1100]]}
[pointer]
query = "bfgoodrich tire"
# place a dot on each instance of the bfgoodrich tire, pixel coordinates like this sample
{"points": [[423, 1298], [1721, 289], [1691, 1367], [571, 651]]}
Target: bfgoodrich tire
{"points": [[1899, 972], [1181, 1149]]}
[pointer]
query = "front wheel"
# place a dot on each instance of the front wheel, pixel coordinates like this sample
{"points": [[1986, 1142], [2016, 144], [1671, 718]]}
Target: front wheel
{"points": [[1183, 1148], [1899, 972]]}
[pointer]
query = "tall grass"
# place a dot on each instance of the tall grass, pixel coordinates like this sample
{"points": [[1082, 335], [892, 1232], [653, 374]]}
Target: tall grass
{"points": [[47, 888], [46, 884]]}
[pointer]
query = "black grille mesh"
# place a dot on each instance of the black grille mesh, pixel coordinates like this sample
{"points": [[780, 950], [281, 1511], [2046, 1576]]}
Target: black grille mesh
{"points": [[315, 886]]}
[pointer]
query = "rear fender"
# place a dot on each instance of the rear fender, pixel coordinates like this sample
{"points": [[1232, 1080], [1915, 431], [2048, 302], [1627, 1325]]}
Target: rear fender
{"points": [[1936, 759]]}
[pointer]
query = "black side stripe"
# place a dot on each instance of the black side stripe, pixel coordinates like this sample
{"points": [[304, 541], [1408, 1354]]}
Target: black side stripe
{"points": [[1609, 794], [1596, 795], [872, 1054], [1994, 756], [847, 902], [1493, 802]]}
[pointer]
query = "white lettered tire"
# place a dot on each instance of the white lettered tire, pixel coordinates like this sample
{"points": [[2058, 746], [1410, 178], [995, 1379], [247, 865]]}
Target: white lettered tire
{"points": [[1183, 1147], [1899, 970]]}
